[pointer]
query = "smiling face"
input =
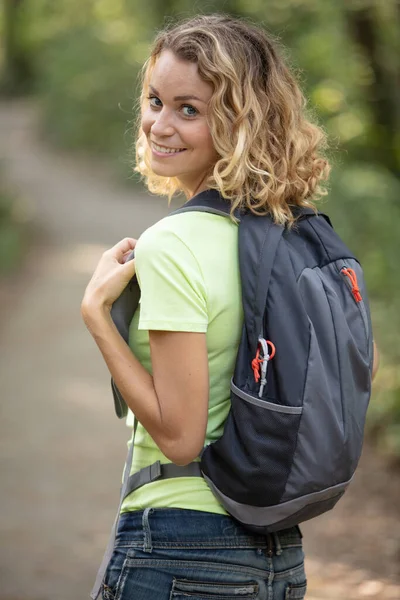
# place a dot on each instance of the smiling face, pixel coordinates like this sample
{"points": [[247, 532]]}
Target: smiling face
{"points": [[174, 120]]}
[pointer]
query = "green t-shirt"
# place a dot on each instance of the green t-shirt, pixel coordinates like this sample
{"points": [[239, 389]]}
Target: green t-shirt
{"points": [[188, 271]]}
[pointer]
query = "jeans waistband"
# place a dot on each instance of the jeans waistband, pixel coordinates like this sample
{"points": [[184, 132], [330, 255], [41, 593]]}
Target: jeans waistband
{"points": [[171, 527]]}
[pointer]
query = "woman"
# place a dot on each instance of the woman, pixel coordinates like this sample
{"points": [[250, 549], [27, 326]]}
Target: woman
{"points": [[221, 110]]}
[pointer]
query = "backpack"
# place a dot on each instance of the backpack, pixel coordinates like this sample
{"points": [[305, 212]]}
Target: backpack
{"points": [[302, 379]]}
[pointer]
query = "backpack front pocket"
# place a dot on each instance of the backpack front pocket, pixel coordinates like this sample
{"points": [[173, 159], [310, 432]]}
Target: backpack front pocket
{"points": [[252, 460]]}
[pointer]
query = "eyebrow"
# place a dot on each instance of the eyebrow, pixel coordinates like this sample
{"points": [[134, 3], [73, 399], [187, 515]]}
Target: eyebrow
{"points": [[178, 98]]}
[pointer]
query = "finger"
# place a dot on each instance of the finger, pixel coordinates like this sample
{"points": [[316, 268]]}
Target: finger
{"points": [[122, 247], [129, 269]]}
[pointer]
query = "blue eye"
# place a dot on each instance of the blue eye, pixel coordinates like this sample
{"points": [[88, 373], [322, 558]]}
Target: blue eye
{"points": [[154, 101], [191, 110]]}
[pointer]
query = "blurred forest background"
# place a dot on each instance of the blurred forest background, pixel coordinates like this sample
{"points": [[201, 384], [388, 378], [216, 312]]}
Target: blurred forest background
{"points": [[80, 59]]}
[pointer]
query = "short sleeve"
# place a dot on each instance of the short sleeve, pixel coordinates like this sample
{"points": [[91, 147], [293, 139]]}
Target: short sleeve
{"points": [[173, 295]]}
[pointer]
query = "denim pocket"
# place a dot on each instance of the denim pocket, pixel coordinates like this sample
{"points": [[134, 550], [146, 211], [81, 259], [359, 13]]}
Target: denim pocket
{"points": [[150, 578], [183, 589], [296, 591]]}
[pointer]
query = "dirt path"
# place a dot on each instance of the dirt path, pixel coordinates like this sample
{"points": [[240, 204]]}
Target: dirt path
{"points": [[61, 447]]}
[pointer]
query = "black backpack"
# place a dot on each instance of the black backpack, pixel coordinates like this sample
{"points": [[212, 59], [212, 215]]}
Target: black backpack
{"points": [[302, 380]]}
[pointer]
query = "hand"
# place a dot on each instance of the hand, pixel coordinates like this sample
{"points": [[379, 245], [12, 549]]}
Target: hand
{"points": [[110, 277]]}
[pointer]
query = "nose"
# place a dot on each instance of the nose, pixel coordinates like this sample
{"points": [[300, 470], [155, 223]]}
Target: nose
{"points": [[162, 125]]}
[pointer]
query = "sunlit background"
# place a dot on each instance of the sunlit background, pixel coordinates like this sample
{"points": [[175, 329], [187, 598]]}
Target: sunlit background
{"points": [[68, 86]]}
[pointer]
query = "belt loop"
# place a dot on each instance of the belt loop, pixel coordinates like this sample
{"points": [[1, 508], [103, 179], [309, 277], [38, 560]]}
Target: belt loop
{"points": [[269, 545], [147, 542], [277, 541]]}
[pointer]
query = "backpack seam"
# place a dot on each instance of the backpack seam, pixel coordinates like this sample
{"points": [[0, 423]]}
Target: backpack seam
{"points": [[304, 386], [297, 279], [309, 349], [337, 354], [258, 280]]}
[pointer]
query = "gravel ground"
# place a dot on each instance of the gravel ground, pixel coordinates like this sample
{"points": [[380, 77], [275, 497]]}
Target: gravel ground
{"points": [[62, 449]]}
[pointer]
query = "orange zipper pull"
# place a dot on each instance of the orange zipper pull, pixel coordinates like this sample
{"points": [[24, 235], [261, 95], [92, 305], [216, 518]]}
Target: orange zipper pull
{"points": [[260, 364], [350, 273], [255, 364]]}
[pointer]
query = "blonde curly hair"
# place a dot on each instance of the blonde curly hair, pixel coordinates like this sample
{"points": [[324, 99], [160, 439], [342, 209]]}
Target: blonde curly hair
{"points": [[271, 155]]}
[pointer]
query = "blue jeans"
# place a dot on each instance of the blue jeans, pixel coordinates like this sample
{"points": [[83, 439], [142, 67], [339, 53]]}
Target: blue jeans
{"points": [[175, 554]]}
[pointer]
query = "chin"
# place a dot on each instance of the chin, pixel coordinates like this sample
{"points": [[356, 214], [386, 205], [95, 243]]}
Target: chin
{"points": [[163, 172]]}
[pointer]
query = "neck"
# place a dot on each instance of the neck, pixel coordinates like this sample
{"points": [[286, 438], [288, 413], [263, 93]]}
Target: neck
{"points": [[192, 190]]}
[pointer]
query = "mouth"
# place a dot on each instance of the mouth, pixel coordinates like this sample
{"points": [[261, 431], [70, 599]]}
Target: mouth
{"points": [[165, 150]]}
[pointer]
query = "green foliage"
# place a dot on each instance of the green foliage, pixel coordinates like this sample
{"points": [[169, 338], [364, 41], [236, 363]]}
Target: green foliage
{"points": [[12, 230], [87, 91], [88, 59], [15, 62]]}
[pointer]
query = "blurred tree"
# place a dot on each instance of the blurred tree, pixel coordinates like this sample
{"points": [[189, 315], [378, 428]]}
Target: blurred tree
{"points": [[17, 66], [14, 233], [368, 26]]}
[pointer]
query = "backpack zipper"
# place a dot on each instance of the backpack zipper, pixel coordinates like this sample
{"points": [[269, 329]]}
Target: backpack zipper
{"points": [[355, 290], [352, 283]]}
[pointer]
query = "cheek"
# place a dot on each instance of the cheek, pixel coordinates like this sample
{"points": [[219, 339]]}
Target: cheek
{"points": [[146, 122], [209, 148], [202, 139]]}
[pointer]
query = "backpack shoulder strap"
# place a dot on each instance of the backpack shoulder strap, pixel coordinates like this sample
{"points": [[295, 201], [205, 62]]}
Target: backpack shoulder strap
{"points": [[303, 212], [209, 201]]}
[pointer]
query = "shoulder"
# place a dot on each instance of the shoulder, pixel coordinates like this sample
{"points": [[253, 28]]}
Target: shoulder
{"points": [[172, 246], [165, 237], [185, 230], [167, 263]]}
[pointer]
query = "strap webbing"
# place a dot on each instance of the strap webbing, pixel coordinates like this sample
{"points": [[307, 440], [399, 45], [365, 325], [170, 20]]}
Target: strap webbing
{"points": [[157, 471], [209, 201]]}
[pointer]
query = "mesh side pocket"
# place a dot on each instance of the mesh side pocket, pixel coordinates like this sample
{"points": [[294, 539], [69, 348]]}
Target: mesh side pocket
{"points": [[251, 462]]}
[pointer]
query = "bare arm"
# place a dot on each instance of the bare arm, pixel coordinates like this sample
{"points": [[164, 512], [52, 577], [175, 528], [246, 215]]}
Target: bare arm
{"points": [[172, 405]]}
